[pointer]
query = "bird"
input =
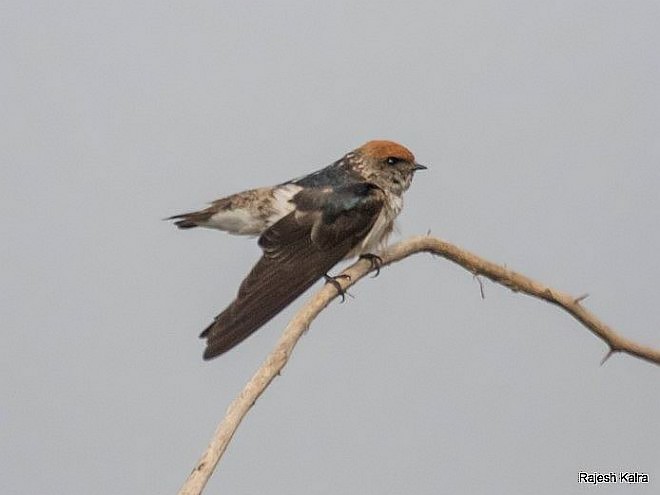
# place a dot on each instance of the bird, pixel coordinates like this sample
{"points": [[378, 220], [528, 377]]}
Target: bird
{"points": [[305, 226]]}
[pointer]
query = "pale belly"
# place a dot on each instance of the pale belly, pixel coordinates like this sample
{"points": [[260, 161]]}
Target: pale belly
{"points": [[380, 232]]}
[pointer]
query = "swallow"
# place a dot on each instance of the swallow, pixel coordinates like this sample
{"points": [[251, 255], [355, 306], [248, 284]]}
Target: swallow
{"points": [[305, 227]]}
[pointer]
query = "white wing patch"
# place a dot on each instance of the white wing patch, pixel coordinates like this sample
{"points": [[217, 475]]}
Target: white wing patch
{"points": [[282, 204], [236, 221], [257, 216]]}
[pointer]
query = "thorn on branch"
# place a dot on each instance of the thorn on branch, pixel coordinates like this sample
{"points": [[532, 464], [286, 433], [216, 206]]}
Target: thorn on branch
{"points": [[581, 298], [608, 355], [481, 285], [549, 294]]}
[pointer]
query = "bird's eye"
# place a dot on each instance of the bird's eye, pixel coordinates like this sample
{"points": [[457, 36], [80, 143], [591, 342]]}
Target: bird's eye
{"points": [[392, 160]]}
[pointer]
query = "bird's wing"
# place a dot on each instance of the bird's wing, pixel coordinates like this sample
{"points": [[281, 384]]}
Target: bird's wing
{"points": [[297, 250]]}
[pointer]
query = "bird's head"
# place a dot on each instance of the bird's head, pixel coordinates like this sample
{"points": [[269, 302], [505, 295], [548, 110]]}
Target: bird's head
{"points": [[387, 164]]}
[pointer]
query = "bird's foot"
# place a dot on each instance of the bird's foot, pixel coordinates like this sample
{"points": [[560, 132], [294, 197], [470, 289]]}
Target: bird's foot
{"points": [[375, 260], [329, 279]]}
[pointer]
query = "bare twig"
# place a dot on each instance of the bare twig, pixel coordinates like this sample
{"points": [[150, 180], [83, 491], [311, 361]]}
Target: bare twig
{"points": [[278, 358]]}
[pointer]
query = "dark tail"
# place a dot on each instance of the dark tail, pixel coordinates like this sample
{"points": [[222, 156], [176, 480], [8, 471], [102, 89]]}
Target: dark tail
{"points": [[190, 220]]}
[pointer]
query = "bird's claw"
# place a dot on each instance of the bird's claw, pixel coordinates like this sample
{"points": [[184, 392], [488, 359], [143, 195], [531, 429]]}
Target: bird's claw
{"points": [[329, 279], [375, 260]]}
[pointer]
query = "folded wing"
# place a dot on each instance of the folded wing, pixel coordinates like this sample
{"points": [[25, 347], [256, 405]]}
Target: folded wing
{"points": [[297, 250]]}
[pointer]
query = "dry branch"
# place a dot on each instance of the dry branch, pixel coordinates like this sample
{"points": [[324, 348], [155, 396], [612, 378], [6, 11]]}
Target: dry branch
{"points": [[278, 358]]}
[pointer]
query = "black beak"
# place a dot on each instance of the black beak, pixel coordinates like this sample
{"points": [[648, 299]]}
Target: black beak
{"points": [[419, 166]]}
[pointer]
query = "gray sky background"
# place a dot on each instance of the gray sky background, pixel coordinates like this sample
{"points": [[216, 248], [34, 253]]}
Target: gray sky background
{"points": [[539, 122]]}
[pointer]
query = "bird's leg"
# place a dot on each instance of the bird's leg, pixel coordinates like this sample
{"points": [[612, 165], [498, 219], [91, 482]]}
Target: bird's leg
{"points": [[375, 260], [329, 279]]}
